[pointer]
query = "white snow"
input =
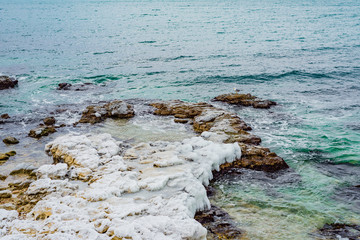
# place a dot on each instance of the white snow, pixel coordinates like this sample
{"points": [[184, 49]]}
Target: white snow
{"points": [[151, 192]]}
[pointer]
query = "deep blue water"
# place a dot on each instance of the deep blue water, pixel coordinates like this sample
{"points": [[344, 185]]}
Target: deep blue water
{"points": [[303, 54]]}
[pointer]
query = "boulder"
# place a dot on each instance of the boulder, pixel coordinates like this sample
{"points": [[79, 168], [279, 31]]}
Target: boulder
{"points": [[7, 82], [244, 100], [115, 109], [10, 140]]}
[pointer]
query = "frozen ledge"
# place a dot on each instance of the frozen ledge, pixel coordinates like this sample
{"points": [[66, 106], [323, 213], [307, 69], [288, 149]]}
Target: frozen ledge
{"points": [[98, 190]]}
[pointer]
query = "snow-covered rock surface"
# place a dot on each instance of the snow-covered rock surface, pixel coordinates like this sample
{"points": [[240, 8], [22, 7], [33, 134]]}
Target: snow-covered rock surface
{"points": [[150, 191]]}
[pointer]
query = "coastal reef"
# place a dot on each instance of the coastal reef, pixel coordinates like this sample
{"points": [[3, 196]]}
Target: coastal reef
{"points": [[222, 126]]}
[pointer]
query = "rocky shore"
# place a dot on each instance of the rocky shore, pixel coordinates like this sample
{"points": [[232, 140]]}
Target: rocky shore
{"points": [[98, 187]]}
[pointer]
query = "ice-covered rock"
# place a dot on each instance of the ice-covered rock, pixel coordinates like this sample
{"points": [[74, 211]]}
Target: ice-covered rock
{"points": [[152, 195]]}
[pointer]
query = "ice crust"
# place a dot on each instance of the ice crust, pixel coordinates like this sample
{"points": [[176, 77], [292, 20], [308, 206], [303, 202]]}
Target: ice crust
{"points": [[151, 191]]}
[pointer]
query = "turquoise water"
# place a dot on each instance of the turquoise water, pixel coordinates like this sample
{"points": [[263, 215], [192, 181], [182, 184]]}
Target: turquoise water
{"points": [[303, 54]]}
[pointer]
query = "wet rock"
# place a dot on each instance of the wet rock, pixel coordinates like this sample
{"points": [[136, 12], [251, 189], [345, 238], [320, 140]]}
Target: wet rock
{"points": [[5, 194], [114, 109], [10, 140], [24, 168], [218, 223], [336, 230], [41, 131], [11, 153], [256, 158], [49, 121], [244, 100], [5, 116], [4, 157], [64, 86], [7, 82], [2, 177]]}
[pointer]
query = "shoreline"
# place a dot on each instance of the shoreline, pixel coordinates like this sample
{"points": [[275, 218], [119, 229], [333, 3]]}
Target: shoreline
{"points": [[214, 125]]}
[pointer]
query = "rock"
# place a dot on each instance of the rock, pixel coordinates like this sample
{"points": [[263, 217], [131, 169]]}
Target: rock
{"points": [[5, 116], [340, 230], [2, 177], [4, 157], [218, 223], [49, 121], [10, 140], [7, 82], [41, 131], [11, 153], [24, 168], [114, 109], [177, 120], [256, 158], [5, 194], [244, 100]]}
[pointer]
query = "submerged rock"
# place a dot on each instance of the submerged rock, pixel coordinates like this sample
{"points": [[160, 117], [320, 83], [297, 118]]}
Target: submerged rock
{"points": [[113, 109], [340, 231], [41, 131], [218, 223], [7, 82], [244, 100], [10, 140], [75, 87]]}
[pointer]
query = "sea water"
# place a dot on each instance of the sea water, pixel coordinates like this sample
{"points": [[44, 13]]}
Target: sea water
{"points": [[304, 54]]}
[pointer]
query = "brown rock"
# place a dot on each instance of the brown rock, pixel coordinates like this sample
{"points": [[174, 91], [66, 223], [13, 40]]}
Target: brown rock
{"points": [[218, 223], [49, 121], [4, 157], [244, 100], [7, 82], [2, 177], [41, 131], [179, 120], [10, 140], [11, 153], [113, 109], [256, 158], [5, 116]]}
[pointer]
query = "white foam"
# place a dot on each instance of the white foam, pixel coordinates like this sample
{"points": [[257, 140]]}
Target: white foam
{"points": [[152, 195]]}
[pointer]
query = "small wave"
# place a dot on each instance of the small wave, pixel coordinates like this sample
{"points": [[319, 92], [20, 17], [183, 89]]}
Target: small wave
{"points": [[259, 77], [178, 58], [147, 42], [100, 53]]}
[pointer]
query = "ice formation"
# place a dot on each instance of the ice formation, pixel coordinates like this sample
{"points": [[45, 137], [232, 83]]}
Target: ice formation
{"points": [[150, 191]]}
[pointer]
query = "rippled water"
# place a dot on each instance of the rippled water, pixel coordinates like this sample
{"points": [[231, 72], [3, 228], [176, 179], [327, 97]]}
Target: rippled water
{"points": [[303, 54]]}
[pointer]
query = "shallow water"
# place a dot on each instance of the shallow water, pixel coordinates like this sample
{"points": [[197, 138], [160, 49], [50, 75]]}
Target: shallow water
{"points": [[303, 54]]}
